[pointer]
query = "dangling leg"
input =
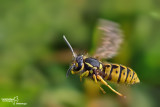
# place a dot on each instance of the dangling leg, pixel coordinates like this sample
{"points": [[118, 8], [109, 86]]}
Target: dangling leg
{"points": [[105, 83], [86, 73], [95, 79]]}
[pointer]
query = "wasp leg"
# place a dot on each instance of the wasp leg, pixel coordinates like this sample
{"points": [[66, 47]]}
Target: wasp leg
{"points": [[86, 73], [95, 79], [105, 83]]}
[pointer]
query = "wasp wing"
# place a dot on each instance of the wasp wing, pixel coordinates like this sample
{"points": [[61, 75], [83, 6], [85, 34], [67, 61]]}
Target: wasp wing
{"points": [[110, 39]]}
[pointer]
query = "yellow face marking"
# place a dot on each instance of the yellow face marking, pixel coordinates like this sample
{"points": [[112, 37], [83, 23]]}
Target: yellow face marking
{"points": [[76, 64], [76, 72], [82, 67]]}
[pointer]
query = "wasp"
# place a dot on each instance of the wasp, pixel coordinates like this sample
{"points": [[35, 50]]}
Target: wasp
{"points": [[93, 68]]}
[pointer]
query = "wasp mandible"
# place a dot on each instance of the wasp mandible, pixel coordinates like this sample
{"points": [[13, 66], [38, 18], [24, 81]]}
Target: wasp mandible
{"points": [[93, 68]]}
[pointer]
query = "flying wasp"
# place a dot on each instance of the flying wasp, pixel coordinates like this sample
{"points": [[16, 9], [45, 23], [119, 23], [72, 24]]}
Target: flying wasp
{"points": [[93, 68]]}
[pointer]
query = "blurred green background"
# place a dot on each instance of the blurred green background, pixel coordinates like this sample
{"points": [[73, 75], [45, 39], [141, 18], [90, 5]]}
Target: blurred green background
{"points": [[34, 57]]}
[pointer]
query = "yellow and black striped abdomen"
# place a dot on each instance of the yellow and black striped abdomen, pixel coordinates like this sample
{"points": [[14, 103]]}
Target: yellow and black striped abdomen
{"points": [[120, 74]]}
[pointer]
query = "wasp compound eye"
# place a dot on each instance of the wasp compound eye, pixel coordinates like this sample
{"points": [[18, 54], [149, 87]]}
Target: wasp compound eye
{"points": [[79, 59]]}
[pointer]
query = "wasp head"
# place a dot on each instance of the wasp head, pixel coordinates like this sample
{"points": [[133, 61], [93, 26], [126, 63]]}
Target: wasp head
{"points": [[77, 64]]}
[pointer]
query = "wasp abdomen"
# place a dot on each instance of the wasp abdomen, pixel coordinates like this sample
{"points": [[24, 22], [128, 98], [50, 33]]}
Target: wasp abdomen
{"points": [[120, 74]]}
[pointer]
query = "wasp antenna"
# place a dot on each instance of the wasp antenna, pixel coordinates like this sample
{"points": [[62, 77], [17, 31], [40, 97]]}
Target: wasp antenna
{"points": [[69, 46]]}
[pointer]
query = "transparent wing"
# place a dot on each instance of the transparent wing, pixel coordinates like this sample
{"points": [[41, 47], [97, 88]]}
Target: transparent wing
{"points": [[110, 39]]}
